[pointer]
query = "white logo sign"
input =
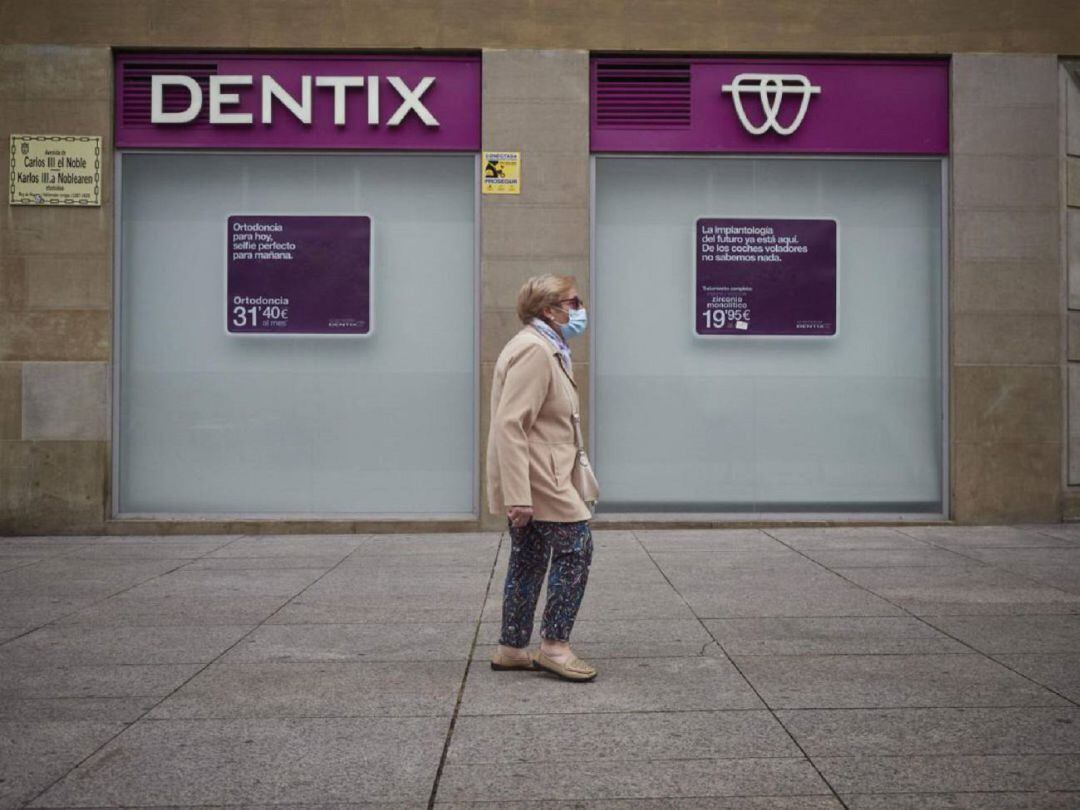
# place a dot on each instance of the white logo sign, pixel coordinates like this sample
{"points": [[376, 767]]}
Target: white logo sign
{"points": [[221, 98], [771, 89]]}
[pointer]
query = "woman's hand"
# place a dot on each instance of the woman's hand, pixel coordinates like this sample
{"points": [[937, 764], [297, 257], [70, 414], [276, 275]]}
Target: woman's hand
{"points": [[519, 515]]}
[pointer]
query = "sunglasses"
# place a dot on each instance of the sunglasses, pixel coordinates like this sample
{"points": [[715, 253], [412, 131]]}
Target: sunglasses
{"points": [[575, 302]]}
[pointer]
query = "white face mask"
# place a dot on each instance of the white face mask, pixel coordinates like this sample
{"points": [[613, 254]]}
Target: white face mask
{"points": [[579, 319]]}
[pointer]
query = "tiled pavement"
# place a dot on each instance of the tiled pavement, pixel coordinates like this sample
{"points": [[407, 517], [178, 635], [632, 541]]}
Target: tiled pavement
{"points": [[914, 667]]}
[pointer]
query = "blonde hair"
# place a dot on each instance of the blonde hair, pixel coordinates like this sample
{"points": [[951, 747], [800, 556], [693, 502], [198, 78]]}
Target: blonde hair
{"points": [[540, 292]]}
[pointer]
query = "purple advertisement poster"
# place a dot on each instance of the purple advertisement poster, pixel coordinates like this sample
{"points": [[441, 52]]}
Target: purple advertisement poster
{"points": [[298, 275], [765, 277]]}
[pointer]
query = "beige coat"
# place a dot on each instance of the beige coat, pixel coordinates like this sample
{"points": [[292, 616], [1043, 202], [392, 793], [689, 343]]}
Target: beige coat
{"points": [[531, 447]]}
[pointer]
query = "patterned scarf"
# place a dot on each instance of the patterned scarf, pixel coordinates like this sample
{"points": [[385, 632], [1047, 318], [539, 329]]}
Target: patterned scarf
{"points": [[555, 339]]}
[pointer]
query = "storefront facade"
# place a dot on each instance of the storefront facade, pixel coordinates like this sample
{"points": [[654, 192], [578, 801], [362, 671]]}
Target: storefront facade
{"points": [[828, 279]]}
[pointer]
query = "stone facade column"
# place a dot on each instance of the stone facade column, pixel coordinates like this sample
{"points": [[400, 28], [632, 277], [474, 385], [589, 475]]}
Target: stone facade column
{"points": [[55, 305], [1006, 290], [1070, 82], [535, 102]]}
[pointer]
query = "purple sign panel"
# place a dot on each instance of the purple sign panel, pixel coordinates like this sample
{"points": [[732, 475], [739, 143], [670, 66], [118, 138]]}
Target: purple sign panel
{"points": [[297, 101], [804, 106], [298, 275], [765, 277]]}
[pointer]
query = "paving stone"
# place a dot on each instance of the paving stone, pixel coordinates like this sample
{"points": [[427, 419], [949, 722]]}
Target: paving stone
{"points": [[619, 736], [447, 641], [164, 548], [1062, 577], [1057, 671], [609, 603], [632, 779], [687, 567], [89, 645], [329, 545], [404, 582], [111, 681], [411, 609], [1013, 634], [961, 537], [320, 561], [423, 688], [8, 633], [887, 557], [34, 611], [871, 635], [1009, 557], [957, 590], [871, 774], [10, 563], [34, 755], [435, 544], [711, 803], [622, 685], [750, 540], [218, 762], [961, 801], [70, 578], [908, 732], [877, 681], [776, 592], [117, 710], [186, 582], [182, 611], [861, 538], [637, 638]]}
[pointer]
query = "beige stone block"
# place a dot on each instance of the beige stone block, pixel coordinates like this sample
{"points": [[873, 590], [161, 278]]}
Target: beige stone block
{"points": [[296, 24], [531, 75], [497, 326], [1005, 181], [55, 117], [1007, 482], [68, 487], [60, 335], [15, 477], [1004, 79], [13, 283], [61, 22], [201, 24], [1072, 255], [980, 129], [1017, 234], [10, 401], [537, 126], [1072, 183], [1007, 403], [65, 401], [525, 24], [549, 179], [392, 24], [1073, 320], [1008, 286], [69, 282], [1073, 401], [994, 338], [1074, 460], [28, 230], [56, 72], [1072, 113], [528, 231], [501, 279]]}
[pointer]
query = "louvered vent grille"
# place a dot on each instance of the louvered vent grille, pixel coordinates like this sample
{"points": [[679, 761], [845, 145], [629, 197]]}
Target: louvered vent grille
{"points": [[643, 94], [135, 90]]}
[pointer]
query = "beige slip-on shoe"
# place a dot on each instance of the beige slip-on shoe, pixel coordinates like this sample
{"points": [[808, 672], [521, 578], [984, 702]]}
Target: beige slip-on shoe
{"points": [[572, 670], [500, 661]]}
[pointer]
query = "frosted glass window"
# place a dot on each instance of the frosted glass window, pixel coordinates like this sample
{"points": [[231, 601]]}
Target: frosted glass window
{"points": [[852, 423], [211, 423]]}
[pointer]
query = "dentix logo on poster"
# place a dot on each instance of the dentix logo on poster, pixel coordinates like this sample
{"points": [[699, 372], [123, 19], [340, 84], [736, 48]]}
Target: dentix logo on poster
{"points": [[771, 90], [224, 92]]}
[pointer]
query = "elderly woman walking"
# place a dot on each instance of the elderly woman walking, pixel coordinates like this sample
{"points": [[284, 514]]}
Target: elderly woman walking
{"points": [[534, 477]]}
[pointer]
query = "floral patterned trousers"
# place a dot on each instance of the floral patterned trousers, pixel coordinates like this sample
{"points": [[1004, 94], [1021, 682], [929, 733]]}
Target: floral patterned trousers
{"points": [[570, 548]]}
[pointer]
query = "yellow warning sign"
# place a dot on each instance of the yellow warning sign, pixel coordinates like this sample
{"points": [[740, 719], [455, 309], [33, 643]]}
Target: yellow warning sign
{"points": [[502, 173], [55, 170]]}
